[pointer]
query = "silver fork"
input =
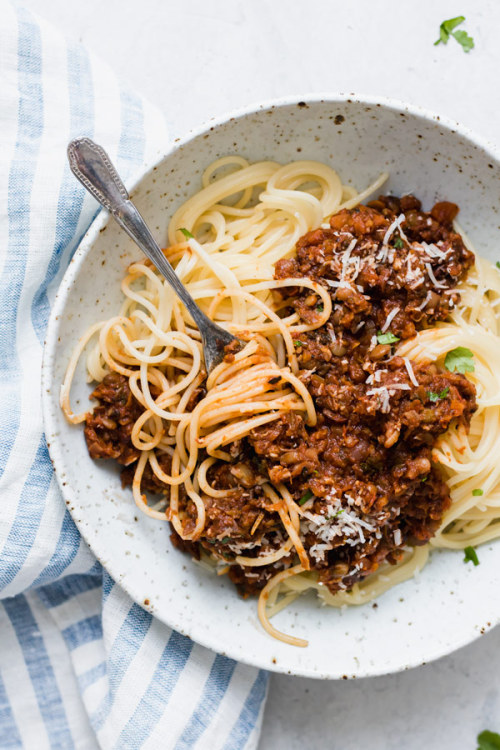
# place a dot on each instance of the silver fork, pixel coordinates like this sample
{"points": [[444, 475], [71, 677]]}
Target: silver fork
{"points": [[92, 166]]}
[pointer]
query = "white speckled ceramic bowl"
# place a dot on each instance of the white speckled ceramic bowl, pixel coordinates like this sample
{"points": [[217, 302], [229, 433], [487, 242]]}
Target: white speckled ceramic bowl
{"points": [[450, 603]]}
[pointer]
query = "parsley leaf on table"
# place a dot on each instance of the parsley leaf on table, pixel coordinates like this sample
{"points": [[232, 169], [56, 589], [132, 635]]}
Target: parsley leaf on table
{"points": [[459, 359], [471, 555], [488, 740], [464, 39], [446, 30], [447, 27]]}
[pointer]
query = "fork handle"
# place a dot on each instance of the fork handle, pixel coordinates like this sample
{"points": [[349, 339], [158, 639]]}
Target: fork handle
{"points": [[92, 166]]}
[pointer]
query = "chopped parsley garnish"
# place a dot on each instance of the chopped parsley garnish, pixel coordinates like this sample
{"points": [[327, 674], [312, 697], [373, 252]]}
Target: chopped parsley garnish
{"points": [[447, 29], [386, 338], [471, 556], [438, 396], [335, 515], [477, 493], [320, 308], [298, 343], [308, 495], [225, 540], [488, 740], [424, 479], [497, 264], [186, 233], [460, 359], [464, 39], [398, 243]]}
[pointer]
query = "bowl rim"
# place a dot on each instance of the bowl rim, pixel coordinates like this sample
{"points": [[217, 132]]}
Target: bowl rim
{"points": [[84, 247]]}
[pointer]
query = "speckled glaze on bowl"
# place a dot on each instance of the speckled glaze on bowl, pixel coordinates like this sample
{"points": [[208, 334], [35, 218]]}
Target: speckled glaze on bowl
{"points": [[450, 603]]}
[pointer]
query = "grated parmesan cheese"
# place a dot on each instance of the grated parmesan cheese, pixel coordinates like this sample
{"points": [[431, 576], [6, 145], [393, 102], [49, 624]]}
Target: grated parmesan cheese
{"points": [[396, 224], [433, 251], [410, 372], [413, 274], [425, 302], [238, 547], [436, 283], [332, 335], [346, 255], [383, 398], [339, 521], [390, 318], [384, 393]]}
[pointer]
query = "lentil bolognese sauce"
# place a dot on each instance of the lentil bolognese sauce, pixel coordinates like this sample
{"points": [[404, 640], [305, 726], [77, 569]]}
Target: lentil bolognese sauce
{"points": [[313, 450]]}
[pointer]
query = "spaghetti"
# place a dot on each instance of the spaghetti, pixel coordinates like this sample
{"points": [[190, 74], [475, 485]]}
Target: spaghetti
{"points": [[237, 455]]}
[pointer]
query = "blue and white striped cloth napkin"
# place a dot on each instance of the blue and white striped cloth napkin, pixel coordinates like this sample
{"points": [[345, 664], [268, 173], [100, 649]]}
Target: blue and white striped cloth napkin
{"points": [[81, 665]]}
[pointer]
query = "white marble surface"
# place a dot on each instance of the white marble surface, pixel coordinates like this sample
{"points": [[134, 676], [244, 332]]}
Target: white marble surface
{"points": [[199, 58]]}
